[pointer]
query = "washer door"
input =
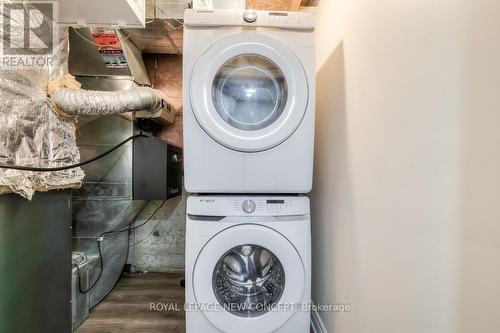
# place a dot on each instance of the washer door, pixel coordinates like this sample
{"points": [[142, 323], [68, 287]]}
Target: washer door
{"points": [[248, 278], [249, 92]]}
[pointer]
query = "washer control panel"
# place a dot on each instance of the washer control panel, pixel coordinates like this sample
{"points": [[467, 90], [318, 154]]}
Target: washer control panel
{"points": [[214, 205]]}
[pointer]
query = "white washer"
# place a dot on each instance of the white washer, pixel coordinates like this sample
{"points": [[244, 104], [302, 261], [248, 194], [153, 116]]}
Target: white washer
{"points": [[249, 95], [248, 264]]}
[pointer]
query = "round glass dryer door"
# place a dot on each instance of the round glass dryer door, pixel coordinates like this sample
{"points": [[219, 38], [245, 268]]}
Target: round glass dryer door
{"points": [[249, 92], [248, 277], [248, 280]]}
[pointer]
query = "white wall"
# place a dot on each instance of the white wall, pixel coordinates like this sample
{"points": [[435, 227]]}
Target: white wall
{"points": [[406, 201]]}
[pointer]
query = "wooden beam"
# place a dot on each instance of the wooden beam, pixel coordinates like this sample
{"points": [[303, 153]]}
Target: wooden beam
{"points": [[267, 4], [290, 5], [294, 5]]}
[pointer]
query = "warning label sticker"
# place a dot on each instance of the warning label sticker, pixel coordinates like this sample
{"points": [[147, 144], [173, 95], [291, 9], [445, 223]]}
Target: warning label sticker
{"points": [[110, 48]]}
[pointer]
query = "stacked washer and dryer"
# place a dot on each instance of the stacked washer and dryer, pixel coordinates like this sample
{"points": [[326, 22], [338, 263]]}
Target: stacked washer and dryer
{"points": [[248, 138]]}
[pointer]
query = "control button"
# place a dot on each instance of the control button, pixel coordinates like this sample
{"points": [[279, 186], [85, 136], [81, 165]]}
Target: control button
{"points": [[236, 205], [250, 16], [248, 206]]}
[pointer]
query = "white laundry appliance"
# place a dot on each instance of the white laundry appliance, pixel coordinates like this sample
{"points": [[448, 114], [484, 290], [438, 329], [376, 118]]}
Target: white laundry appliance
{"points": [[249, 92], [248, 264]]}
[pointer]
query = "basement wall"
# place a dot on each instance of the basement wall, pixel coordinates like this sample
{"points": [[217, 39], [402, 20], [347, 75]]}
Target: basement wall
{"points": [[159, 245]]}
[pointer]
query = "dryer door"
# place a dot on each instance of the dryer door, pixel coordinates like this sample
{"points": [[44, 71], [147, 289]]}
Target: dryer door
{"points": [[249, 92], [249, 278]]}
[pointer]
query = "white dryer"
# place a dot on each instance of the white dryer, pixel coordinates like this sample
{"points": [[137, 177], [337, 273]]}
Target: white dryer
{"points": [[249, 92], [248, 264]]}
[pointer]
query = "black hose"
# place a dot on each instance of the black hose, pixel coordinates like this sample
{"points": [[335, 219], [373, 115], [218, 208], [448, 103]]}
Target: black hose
{"points": [[28, 168]]}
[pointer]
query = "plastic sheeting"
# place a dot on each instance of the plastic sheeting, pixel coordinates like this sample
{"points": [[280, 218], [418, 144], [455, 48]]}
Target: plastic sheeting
{"points": [[100, 103], [31, 134]]}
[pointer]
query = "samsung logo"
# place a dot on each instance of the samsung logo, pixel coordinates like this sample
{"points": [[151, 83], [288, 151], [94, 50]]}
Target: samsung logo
{"points": [[278, 14], [204, 11]]}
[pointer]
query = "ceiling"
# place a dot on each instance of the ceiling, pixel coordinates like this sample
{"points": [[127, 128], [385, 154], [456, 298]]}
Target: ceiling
{"points": [[163, 32]]}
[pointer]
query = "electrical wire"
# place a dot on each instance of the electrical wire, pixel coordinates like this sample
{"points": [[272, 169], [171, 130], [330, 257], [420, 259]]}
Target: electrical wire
{"points": [[101, 45], [101, 269], [101, 237], [101, 260], [153, 228], [181, 25], [166, 15], [136, 227], [67, 167]]}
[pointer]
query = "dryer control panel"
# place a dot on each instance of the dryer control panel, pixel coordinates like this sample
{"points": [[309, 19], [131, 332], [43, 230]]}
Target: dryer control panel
{"points": [[255, 18], [215, 205]]}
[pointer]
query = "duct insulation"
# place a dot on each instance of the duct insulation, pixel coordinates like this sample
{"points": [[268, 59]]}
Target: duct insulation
{"points": [[33, 130], [31, 134], [100, 103]]}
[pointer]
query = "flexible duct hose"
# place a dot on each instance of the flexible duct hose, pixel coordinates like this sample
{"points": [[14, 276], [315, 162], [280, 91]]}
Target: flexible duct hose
{"points": [[101, 103]]}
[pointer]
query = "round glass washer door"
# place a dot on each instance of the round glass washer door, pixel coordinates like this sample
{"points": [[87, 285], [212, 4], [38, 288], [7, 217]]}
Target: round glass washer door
{"points": [[248, 280], [249, 92], [248, 273]]}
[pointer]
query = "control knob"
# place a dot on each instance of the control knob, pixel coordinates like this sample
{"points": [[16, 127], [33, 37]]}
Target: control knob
{"points": [[250, 16], [248, 206]]}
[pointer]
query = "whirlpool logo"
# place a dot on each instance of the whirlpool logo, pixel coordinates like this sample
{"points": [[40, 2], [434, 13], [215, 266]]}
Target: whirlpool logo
{"points": [[28, 27]]}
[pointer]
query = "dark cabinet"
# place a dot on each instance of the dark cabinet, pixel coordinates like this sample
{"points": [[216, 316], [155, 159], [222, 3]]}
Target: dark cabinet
{"points": [[35, 263], [157, 170]]}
